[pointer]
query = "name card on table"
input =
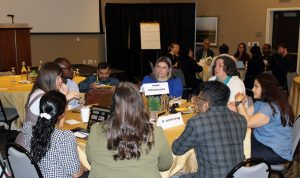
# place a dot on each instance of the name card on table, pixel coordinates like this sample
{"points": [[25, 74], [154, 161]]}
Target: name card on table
{"points": [[155, 88], [169, 121]]}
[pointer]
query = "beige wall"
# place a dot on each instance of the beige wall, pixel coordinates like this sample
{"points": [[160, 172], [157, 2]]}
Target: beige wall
{"points": [[239, 21]]}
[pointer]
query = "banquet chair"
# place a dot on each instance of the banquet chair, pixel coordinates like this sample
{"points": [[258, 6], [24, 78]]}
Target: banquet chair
{"points": [[3, 168], [7, 116], [21, 163], [281, 169], [252, 167]]}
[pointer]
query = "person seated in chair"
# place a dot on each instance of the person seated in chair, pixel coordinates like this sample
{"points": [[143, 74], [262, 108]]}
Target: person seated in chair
{"points": [[216, 134], [101, 79], [54, 149], [163, 73], [271, 118], [67, 78]]}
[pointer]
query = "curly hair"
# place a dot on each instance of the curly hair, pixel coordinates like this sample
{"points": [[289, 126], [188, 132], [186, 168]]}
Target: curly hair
{"points": [[128, 126], [52, 103], [271, 92], [229, 65]]}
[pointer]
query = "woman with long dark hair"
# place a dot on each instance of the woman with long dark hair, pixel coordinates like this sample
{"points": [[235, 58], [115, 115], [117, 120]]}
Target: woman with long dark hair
{"points": [[272, 118], [127, 144], [241, 53], [255, 67], [54, 150], [49, 78]]}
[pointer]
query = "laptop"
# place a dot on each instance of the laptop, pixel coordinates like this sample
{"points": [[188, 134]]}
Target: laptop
{"points": [[240, 65], [98, 114]]}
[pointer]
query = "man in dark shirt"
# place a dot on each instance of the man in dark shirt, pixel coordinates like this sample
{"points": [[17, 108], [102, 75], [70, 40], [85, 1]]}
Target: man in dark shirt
{"points": [[204, 52], [281, 64], [216, 134], [267, 55], [101, 79]]}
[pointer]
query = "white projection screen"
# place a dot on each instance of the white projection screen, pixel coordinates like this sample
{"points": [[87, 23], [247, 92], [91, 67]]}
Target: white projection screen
{"points": [[54, 16]]}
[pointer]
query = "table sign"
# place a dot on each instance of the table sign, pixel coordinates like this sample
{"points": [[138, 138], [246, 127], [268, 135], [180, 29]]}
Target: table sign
{"points": [[155, 88], [169, 121]]}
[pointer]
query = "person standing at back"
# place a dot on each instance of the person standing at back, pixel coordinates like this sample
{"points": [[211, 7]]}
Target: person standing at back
{"points": [[216, 134], [281, 65], [173, 53], [67, 78]]}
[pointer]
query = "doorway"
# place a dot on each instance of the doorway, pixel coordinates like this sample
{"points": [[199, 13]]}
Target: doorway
{"points": [[283, 25]]}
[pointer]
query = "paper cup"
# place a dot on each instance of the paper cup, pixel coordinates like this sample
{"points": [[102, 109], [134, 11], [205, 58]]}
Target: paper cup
{"points": [[85, 114]]}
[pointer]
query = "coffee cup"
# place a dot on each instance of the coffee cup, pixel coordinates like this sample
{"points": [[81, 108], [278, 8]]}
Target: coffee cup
{"points": [[85, 114]]}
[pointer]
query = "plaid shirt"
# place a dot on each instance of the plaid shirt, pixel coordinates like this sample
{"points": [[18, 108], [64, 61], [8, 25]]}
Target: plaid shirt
{"points": [[62, 159], [217, 137]]}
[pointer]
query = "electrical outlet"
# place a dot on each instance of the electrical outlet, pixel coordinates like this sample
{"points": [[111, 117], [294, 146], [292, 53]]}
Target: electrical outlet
{"points": [[90, 61], [77, 39], [84, 61]]}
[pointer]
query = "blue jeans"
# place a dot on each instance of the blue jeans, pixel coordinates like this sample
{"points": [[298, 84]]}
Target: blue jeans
{"points": [[260, 150]]}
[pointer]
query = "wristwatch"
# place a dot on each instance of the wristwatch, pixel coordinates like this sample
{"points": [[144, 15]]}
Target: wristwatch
{"points": [[237, 103]]}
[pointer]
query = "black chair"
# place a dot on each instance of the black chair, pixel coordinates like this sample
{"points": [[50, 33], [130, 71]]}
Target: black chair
{"points": [[8, 115], [250, 168], [281, 169], [21, 163]]}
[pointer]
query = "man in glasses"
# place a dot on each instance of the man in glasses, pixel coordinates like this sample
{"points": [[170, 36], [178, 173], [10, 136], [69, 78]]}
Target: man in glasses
{"points": [[67, 77], [102, 79], [216, 133]]}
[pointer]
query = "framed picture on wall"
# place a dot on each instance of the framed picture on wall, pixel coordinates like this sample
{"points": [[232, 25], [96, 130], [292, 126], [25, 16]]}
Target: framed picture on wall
{"points": [[207, 27]]}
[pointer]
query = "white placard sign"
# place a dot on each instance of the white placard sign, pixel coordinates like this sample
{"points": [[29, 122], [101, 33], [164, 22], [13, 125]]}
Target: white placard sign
{"points": [[169, 121], [155, 88], [150, 35]]}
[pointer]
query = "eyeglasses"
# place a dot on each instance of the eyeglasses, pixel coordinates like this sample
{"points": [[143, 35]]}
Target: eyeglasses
{"points": [[67, 68], [198, 99]]}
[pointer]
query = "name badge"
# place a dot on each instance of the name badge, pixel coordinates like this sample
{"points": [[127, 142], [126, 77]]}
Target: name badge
{"points": [[169, 121], [155, 88]]}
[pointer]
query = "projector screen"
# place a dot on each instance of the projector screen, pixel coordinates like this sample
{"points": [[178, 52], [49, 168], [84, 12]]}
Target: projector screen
{"points": [[54, 16]]}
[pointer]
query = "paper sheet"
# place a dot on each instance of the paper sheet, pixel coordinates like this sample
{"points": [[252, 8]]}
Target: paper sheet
{"points": [[80, 134], [72, 121]]}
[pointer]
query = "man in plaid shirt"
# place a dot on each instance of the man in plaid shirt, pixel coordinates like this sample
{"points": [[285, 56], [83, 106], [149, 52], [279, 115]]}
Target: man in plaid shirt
{"points": [[216, 134]]}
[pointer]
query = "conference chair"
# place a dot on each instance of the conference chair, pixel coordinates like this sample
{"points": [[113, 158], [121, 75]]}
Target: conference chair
{"points": [[281, 169], [250, 168], [21, 163], [7, 116], [3, 169]]}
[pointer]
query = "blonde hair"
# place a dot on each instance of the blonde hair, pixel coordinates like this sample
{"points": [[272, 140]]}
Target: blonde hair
{"points": [[168, 62]]}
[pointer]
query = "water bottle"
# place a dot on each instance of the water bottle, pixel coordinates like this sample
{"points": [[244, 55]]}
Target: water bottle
{"points": [[23, 72], [40, 65], [29, 74], [13, 76]]}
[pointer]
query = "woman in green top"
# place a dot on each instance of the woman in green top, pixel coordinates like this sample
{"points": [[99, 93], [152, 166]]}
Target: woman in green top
{"points": [[127, 144]]}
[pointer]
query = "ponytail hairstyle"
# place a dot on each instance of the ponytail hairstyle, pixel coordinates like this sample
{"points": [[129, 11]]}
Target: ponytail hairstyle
{"points": [[52, 106]]}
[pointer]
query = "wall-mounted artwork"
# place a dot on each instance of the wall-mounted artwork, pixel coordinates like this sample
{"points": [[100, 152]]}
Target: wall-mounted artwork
{"points": [[207, 27]]}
